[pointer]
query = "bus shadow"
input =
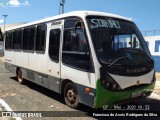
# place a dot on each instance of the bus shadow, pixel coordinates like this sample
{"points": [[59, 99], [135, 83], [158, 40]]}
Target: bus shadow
{"points": [[154, 104], [151, 103], [42, 90]]}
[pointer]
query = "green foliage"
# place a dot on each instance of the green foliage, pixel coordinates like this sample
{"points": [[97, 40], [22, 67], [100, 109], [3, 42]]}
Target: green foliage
{"points": [[12, 118]]}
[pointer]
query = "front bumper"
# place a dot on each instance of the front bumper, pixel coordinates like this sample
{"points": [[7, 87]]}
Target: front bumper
{"points": [[107, 97]]}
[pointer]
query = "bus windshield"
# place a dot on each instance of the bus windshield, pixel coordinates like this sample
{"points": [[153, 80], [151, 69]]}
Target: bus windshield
{"points": [[118, 41]]}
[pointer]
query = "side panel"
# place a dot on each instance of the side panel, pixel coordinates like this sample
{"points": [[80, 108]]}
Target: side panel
{"points": [[37, 67], [10, 57], [87, 99], [21, 59], [77, 60], [38, 62], [82, 81], [41, 79], [53, 67]]}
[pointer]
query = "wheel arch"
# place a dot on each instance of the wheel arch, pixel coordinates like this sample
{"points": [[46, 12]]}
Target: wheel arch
{"points": [[63, 83], [17, 70]]}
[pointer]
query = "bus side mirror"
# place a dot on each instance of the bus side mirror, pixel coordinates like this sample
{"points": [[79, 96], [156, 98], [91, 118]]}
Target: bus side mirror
{"points": [[79, 25], [81, 37]]}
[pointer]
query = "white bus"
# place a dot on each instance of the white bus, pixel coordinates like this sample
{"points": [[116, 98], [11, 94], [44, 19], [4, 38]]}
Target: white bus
{"points": [[89, 57]]}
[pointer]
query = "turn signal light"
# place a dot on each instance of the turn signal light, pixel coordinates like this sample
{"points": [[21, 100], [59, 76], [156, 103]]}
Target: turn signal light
{"points": [[88, 90]]}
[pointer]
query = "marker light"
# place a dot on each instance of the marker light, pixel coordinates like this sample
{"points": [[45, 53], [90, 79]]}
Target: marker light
{"points": [[88, 90]]}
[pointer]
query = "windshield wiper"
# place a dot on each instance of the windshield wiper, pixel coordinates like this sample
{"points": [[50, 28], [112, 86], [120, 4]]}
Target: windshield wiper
{"points": [[120, 58], [142, 52]]}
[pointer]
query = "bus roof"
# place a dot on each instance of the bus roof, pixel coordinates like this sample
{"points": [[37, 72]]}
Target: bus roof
{"points": [[70, 14]]}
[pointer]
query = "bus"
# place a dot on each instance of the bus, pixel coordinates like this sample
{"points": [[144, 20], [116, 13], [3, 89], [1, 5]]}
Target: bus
{"points": [[94, 58]]}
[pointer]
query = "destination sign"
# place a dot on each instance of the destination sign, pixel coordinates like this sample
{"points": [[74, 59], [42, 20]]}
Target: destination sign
{"points": [[107, 23]]}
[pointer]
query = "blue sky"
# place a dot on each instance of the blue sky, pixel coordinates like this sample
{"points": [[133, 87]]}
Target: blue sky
{"points": [[145, 13]]}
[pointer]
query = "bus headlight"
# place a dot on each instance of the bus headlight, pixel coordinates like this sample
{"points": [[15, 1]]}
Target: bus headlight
{"points": [[109, 83], [114, 86]]}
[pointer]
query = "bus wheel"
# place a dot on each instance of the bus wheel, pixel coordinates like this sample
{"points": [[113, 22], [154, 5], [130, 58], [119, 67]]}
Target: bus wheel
{"points": [[19, 76], [71, 95]]}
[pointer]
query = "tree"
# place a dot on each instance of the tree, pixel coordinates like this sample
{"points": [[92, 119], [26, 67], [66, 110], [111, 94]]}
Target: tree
{"points": [[1, 35]]}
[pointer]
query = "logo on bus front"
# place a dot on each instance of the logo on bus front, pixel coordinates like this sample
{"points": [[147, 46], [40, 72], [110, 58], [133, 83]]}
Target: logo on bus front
{"points": [[139, 70]]}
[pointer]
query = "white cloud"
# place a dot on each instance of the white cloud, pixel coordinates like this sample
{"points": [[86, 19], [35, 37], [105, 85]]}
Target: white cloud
{"points": [[14, 2], [1, 21], [134, 19], [27, 2]]}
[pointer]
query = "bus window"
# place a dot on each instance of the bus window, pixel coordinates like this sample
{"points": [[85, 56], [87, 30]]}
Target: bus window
{"points": [[126, 41], [28, 39], [25, 39], [54, 42], [75, 48], [41, 38], [17, 36], [31, 38], [8, 43], [19, 39]]}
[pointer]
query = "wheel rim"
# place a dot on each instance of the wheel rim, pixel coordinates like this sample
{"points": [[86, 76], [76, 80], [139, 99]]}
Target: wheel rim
{"points": [[71, 96]]}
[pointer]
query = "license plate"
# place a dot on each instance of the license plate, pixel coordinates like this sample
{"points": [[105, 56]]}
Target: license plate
{"points": [[136, 94]]}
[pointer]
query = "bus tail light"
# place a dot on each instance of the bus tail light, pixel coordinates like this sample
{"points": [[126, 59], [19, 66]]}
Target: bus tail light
{"points": [[110, 84]]}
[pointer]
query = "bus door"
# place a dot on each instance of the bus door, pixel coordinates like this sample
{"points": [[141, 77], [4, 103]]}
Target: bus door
{"points": [[53, 58]]}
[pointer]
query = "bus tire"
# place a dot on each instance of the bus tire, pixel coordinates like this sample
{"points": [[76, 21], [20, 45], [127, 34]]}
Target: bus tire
{"points": [[20, 76], [71, 95]]}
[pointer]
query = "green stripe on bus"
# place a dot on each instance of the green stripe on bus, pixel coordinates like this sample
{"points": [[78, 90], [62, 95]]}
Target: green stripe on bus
{"points": [[107, 97]]}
